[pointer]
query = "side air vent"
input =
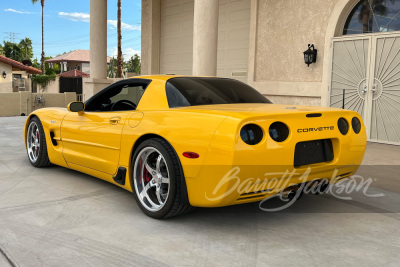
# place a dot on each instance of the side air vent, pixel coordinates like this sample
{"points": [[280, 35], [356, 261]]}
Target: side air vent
{"points": [[52, 135], [313, 115]]}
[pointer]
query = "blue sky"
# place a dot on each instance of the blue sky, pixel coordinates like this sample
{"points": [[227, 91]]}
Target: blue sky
{"points": [[66, 25]]}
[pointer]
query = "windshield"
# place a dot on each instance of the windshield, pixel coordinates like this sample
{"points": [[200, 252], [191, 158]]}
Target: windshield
{"points": [[195, 91]]}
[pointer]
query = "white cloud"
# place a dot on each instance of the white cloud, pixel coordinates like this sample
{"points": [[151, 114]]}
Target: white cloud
{"points": [[113, 52], [130, 52], [124, 26], [127, 53], [75, 16], [17, 11]]}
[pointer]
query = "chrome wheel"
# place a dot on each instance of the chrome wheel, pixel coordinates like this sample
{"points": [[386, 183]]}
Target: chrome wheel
{"points": [[33, 141], [151, 179]]}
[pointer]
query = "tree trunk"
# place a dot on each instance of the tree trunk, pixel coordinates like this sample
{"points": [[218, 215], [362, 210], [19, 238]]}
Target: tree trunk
{"points": [[119, 58], [371, 17], [43, 56]]}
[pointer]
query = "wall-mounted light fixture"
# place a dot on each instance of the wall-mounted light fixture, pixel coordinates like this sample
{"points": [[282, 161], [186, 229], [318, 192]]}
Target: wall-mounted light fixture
{"points": [[310, 55], [4, 74]]}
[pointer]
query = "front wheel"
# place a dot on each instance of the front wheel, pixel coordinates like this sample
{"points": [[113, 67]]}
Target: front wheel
{"points": [[157, 180], [36, 144]]}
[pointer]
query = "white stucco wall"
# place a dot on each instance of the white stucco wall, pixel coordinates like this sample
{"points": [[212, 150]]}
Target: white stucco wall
{"points": [[5, 84], [85, 67]]}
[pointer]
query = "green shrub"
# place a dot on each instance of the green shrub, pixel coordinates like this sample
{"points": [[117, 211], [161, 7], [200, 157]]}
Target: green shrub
{"points": [[43, 80]]}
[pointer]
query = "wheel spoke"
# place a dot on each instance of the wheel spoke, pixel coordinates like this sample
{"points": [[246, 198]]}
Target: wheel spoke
{"points": [[159, 158], [158, 194], [144, 194], [164, 180], [149, 169]]}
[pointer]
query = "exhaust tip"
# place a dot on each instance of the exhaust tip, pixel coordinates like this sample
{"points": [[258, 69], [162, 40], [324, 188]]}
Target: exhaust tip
{"points": [[288, 195]]}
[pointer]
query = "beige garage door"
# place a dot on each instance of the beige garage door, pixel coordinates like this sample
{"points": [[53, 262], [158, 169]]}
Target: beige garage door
{"points": [[233, 38], [176, 47]]}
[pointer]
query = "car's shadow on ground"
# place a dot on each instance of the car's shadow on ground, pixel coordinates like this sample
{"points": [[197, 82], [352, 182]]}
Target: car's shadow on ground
{"points": [[317, 204]]}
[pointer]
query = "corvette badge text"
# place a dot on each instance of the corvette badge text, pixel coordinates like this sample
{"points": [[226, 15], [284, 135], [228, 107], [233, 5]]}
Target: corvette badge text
{"points": [[317, 129]]}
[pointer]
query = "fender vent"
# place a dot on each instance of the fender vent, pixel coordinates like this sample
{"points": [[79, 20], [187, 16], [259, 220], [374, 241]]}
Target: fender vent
{"points": [[313, 115], [52, 135]]}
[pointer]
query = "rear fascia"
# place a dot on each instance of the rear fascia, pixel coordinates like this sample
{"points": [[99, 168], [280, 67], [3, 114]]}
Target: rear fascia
{"points": [[227, 151]]}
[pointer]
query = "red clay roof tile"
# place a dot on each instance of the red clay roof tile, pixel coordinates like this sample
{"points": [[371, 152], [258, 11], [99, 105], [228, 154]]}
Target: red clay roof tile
{"points": [[19, 65], [78, 55], [74, 73]]}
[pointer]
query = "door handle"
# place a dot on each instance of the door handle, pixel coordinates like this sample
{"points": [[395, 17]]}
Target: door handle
{"points": [[365, 89], [373, 89], [115, 120]]}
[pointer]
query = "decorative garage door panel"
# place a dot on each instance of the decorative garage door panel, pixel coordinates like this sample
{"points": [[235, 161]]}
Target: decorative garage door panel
{"points": [[366, 78], [176, 46], [233, 39]]}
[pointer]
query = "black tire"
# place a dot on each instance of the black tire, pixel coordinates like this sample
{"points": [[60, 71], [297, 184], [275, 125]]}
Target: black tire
{"points": [[43, 157], [177, 202]]}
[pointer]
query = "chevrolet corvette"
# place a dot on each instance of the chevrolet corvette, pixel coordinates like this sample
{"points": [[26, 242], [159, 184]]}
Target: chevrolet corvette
{"points": [[180, 142]]}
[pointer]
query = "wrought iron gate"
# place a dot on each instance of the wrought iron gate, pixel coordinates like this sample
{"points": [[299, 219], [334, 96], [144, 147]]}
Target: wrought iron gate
{"points": [[71, 85], [365, 77]]}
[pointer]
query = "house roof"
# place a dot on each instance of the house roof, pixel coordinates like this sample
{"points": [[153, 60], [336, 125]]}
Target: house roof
{"points": [[74, 73], [74, 56], [19, 65]]}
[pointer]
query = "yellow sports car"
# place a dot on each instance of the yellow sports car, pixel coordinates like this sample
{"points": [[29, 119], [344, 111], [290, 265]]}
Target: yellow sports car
{"points": [[180, 142]]}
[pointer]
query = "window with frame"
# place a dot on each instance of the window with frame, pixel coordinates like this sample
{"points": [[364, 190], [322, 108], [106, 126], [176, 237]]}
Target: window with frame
{"points": [[370, 16], [123, 96]]}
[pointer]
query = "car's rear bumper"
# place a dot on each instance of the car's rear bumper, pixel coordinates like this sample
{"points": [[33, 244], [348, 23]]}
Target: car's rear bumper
{"points": [[238, 175]]}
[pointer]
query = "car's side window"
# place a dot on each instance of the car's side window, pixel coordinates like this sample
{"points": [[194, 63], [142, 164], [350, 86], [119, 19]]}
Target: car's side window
{"points": [[118, 97], [129, 92]]}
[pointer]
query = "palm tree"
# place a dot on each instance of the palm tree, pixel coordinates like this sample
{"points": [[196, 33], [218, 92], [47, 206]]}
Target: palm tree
{"points": [[26, 46], [368, 10], [43, 55], [119, 57]]}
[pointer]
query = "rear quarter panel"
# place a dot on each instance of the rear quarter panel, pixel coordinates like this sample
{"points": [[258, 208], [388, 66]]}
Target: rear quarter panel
{"points": [[185, 131]]}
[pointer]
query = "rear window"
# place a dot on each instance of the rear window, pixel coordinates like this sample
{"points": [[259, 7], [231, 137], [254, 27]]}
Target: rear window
{"points": [[196, 91]]}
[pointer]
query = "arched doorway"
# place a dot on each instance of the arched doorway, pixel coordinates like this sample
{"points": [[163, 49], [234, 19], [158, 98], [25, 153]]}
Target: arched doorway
{"points": [[365, 71]]}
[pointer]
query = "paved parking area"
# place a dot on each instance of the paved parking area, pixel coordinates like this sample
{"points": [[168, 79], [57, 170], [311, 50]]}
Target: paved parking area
{"points": [[59, 217]]}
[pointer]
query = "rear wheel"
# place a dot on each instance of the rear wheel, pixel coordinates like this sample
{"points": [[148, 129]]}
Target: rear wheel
{"points": [[157, 180], [36, 144]]}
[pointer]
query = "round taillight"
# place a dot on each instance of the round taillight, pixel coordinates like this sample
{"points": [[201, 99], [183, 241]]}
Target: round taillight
{"points": [[278, 131], [356, 124], [343, 126], [251, 134]]}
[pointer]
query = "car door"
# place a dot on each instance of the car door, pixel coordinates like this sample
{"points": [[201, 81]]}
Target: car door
{"points": [[93, 139]]}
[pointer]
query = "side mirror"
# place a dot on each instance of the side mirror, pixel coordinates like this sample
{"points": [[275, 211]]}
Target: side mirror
{"points": [[76, 107]]}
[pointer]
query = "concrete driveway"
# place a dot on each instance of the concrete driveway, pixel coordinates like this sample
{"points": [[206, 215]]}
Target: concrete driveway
{"points": [[59, 217]]}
